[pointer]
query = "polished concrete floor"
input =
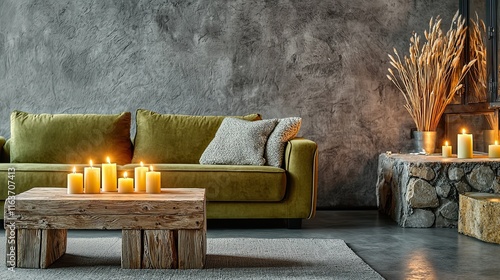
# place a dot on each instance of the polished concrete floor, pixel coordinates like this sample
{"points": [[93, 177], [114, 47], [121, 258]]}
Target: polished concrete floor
{"points": [[394, 252]]}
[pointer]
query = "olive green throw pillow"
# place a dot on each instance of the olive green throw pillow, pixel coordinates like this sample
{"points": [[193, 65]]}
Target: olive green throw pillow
{"points": [[167, 138], [239, 142], [70, 138]]}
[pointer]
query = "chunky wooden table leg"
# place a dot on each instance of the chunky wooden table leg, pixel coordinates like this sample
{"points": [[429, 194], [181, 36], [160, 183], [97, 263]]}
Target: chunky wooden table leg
{"points": [[192, 248], [159, 249], [53, 245], [131, 248], [28, 248]]}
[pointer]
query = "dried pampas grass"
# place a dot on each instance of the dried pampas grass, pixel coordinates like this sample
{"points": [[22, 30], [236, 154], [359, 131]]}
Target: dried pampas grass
{"points": [[477, 50], [433, 73]]}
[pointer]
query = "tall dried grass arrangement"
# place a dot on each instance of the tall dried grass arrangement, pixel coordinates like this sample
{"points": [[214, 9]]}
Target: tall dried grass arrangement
{"points": [[477, 50], [432, 74]]}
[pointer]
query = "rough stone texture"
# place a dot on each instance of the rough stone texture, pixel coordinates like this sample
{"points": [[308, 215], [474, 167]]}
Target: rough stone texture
{"points": [[456, 173], [323, 61], [449, 209], [419, 218], [443, 190], [403, 196], [421, 194], [479, 214], [423, 172], [462, 187], [481, 177]]}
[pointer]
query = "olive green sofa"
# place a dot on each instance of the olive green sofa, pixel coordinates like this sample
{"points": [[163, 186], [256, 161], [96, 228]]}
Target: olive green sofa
{"points": [[44, 148]]}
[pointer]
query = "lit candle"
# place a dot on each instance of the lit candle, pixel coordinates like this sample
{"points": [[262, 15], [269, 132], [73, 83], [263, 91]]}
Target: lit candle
{"points": [[446, 150], [92, 179], [125, 185], [109, 176], [464, 145], [75, 182], [140, 178], [494, 150], [153, 181]]}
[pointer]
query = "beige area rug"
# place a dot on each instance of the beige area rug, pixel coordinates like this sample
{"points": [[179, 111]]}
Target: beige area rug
{"points": [[227, 258]]}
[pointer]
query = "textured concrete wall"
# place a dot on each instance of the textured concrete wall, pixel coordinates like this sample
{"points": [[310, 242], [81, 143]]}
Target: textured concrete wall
{"points": [[322, 60]]}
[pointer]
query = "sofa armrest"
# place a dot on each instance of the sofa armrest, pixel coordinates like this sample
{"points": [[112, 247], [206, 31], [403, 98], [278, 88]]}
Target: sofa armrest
{"points": [[4, 152], [301, 164]]}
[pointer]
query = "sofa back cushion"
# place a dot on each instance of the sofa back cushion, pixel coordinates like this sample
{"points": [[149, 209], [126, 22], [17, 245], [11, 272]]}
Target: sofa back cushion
{"points": [[166, 138], [70, 138]]}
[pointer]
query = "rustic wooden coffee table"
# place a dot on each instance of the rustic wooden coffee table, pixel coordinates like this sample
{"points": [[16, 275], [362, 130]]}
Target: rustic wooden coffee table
{"points": [[166, 230]]}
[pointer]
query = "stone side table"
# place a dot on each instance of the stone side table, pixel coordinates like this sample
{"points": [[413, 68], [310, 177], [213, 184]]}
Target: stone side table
{"points": [[423, 191]]}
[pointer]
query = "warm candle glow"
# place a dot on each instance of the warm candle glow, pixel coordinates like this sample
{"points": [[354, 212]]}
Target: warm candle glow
{"points": [[140, 177], [464, 145], [90, 163], [74, 169], [107, 159], [150, 168], [125, 174], [446, 150], [496, 142]]}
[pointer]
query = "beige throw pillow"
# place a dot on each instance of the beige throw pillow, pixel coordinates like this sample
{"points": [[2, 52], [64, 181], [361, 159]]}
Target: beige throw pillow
{"points": [[239, 142], [285, 130]]}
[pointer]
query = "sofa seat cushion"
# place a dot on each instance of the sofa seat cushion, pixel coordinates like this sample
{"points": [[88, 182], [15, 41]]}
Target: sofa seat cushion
{"points": [[70, 138], [30, 175], [166, 138], [231, 183], [225, 182]]}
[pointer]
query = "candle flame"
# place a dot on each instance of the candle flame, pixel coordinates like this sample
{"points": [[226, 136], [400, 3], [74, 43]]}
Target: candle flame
{"points": [[125, 174], [463, 131], [142, 164], [74, 169], [496, 142], [151, 168], [446, 143], [90, 163], [107, 158]]}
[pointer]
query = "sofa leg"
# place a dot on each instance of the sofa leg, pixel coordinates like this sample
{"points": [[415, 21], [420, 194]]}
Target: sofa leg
{"points": [[294, 223]]}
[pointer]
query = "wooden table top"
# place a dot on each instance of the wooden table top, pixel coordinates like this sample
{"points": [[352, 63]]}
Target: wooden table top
{"points": [[60, 194], [54, 208]]}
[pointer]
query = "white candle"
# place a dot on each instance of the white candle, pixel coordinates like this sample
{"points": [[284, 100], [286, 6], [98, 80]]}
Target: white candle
{"points": [[446, 150], [140, 178], [125, 185], [494, 150], [75, 182], [109, 176], [92, 179], [464, 145], [153, 181]]}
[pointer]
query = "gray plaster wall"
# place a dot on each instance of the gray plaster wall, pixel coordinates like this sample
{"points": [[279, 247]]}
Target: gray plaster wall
{"points": [[325, 61]]}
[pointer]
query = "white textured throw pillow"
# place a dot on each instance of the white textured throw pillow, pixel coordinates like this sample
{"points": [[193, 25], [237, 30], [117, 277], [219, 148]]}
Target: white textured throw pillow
{"points": [[239, 142], [285, 130]]}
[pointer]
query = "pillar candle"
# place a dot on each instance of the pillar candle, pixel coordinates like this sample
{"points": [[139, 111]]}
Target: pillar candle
{"points": [[446, 150], [153, 181], [109, 176], [140, 178], [494, 150], [92, 179], [75, 182], [464, 145], [125, 185]]}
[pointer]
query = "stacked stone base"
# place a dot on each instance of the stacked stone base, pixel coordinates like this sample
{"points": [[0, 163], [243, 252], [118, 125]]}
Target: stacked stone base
{"points": [[479, 216], [423, 191]]}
